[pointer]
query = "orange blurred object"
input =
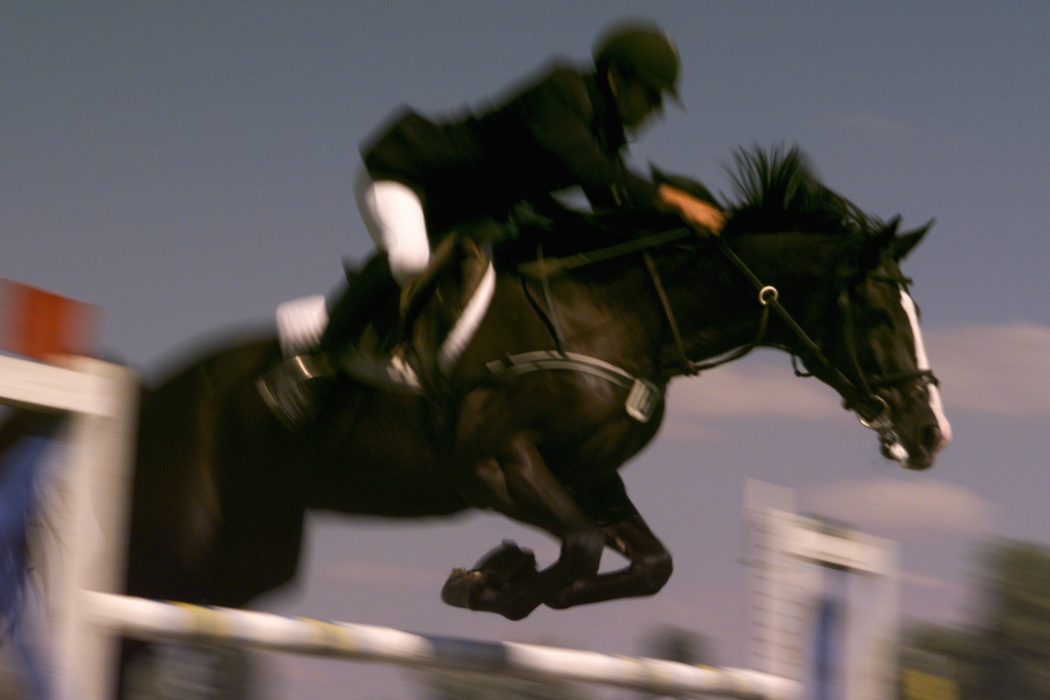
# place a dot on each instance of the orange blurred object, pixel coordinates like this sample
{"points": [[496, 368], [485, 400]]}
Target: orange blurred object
{"points": [[37, 323]]}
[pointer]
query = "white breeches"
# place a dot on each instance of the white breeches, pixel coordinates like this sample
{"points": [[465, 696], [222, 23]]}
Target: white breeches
{"points": [[393, 216]]}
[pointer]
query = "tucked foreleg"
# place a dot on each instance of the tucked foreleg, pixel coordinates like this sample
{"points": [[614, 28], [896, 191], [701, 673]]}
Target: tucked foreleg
{"points": [[650, 563], [516, 482], [649, 570]]}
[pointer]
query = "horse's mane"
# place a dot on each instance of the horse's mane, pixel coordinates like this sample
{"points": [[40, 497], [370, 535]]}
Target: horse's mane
{"points": [[778, 191], [775, 191]]}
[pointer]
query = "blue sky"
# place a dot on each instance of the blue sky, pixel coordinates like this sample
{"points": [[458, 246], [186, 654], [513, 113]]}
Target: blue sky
{"points": [[187, 166]]}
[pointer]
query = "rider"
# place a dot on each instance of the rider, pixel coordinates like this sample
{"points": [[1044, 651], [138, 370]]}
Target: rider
{"points": [[565, 129]]}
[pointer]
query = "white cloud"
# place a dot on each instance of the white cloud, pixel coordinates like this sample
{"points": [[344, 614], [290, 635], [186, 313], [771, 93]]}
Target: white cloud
{"points": [[753, 388], [870, 123], [756, 387], [904, 508], [880, 125], [1002, 369]]}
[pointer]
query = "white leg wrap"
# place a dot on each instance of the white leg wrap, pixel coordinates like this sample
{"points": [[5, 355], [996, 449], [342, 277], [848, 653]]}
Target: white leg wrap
{"points": [[393, 216]]}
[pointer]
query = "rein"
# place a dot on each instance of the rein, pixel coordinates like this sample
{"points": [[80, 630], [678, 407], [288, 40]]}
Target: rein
{"points": [[856, 399], [556, 266], [689, 367], [767, 296]]}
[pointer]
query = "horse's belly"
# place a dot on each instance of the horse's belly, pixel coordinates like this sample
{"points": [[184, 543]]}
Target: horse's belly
{"points": [[384, 467], [389, 491]]}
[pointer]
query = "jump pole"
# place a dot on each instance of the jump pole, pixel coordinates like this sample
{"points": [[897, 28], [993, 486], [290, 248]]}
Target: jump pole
{"points": [[149, 619], [824, 600]]}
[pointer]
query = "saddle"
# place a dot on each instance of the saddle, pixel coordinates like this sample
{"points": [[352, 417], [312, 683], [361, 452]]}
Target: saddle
{"points": [[439, 313], [413, 342], [441, 310]]}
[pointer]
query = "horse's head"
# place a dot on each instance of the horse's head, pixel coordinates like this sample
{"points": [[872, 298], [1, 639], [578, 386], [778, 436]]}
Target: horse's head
{"points": [[878, 345], [867, 325]]}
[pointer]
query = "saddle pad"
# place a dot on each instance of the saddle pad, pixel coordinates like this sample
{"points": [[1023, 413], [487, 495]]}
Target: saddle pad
{"points": [[300, 324], [467, 325]]}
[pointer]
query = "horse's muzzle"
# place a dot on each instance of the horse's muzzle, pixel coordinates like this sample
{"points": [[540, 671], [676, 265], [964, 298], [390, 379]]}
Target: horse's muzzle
{"points": [[921, 456]]}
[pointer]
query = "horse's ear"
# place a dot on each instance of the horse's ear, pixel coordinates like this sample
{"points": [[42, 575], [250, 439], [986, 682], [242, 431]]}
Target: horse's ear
{"points": [[889, 232], [869, 249], [902, 244]]}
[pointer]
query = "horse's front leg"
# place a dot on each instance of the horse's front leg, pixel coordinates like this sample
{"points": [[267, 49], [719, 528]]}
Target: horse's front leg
{"points": [[650, 563], [649, 570], [516, 482]]}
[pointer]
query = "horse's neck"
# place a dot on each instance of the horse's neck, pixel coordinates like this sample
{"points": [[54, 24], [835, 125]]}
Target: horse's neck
{"points": [[622, 319], [716, 306], [616, 319]]}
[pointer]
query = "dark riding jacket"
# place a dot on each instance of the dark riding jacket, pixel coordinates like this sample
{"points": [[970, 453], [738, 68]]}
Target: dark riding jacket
{"points": [[559, 131]]}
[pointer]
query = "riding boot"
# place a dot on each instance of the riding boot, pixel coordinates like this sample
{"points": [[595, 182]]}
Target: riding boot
{"points": [[362, 302], [296, 388]]}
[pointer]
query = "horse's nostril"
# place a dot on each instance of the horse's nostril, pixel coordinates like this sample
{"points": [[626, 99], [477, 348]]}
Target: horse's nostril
{"points": [[931, 438]]}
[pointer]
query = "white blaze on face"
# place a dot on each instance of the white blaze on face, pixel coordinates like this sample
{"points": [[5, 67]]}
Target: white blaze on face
{"points": [[922, 362]]}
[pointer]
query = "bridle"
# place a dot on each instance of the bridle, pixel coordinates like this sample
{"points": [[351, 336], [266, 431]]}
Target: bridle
{"points": [[860, 397], [923, 377]]}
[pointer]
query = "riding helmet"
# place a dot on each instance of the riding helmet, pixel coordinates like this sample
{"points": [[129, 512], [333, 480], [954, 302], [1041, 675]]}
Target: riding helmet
{"points": [[643, 49]]}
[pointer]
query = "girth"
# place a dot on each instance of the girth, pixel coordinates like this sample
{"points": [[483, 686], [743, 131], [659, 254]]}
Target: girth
{"points": [[642, 399]]}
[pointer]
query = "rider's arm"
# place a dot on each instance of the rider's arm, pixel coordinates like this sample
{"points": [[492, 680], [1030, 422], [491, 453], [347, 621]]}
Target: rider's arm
{"points": [[695, 212]]}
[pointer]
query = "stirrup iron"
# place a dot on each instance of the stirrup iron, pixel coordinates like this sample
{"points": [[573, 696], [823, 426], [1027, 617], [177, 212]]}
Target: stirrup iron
{"points": [[293, 389]]}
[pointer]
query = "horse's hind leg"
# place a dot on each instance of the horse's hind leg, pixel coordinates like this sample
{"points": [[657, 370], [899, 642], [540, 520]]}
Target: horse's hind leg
{"points": [[516, 482]]}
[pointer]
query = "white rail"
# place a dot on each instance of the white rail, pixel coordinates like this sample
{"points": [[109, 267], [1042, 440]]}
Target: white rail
{"points": [[155, 620], [77, 389]]}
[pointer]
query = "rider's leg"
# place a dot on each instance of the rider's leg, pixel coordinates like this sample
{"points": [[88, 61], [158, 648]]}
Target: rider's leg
{"points": [[393, 214], [357, 304]]}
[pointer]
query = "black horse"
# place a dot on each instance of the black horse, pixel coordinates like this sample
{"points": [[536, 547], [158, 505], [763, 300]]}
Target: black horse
{"points": [[560, 386]]}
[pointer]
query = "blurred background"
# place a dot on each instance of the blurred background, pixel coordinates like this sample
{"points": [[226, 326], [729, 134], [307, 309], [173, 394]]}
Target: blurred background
{"points": [[187, 166]]}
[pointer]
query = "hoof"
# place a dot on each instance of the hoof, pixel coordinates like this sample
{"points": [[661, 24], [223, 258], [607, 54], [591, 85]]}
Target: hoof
{"points": [[459, 586], [507, 564]]}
